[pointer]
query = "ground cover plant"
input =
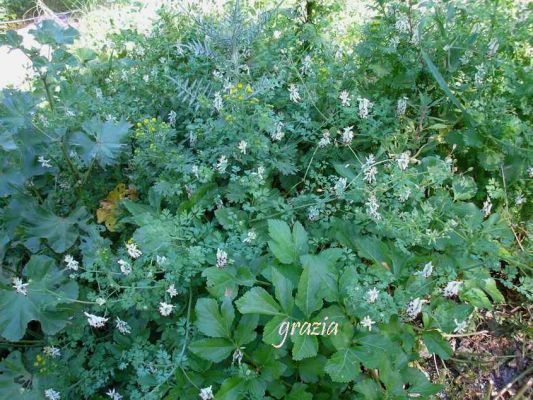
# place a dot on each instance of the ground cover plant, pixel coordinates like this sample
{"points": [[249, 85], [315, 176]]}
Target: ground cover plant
{"points": [[173, 197]]}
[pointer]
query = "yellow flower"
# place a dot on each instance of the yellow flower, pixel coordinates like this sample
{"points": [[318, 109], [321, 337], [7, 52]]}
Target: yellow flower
{"points": [[146, 122], [152, 129], [152, 146], [249, 89], [241, 97], [154, 119], [240, 85], [139, 124]]}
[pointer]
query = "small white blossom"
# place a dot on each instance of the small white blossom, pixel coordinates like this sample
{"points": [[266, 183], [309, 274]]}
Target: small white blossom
{"points": [[276, 34], [347, 135], [493, 47], [222, 164], [52, 351], [394, 42], [519, 199], [372, 295], [452, 288], [165, 309], [125, 267], [113, 394], [242, 146], [192, 138], [100, 301], [487, 207], [312, 213], [140, 51], [427, 271], [122, 326], [20, 287], [278, 134], [146, 78], [260, 172], [133, 250], [369, 170], [403, 160], [401, 106], [218, 103], [45, 163], [294, 95], [160, 260], [404, 194], [306, 65], [250, 236], [222, 258], [237, 356], [340, 186], [479, 77], [95, 321], [345, 98], [364, 106], [367, 323], [372, 208], [172, 118], [460, 327], [172, 292], [414, 308], [530, 172], [402, 24], [72, 264], [325, 140], [51, 394], [465, 58], [207, 393]]}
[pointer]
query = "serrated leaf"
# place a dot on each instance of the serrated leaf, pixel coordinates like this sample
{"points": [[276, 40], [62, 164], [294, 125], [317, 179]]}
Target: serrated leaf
{"points": [[343, 366], [214, 322], [102, 141], [14, 377], [281, 244], [49, 32], [283, 289], [436, 344], [307, 298], [245, 331], [230, 389], [212, 349], [304, 346], [47, 288], [258, 301]]}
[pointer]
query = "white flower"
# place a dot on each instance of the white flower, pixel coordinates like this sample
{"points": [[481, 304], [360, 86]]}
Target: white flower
{"points": [[519, 199], [404, 194], [347, 135], [260, 172], [122, 326], [172, 292], [530, 172], [372, 208], [306, 65], [402, 24], [45, 163], [51, 394], [218, 102], [312, 213], [52, 351], [460, 327], [278, 134], [113, 394], [367, 323], [172, 118], [293, 93], [237, 356], [160, 260], [98, 93], [242, 146], [133, 250], [325, 140], [394, 42], [345, 98], [222, 258], [162, 60], [372, 295], [125, 267], [369, 170], [465, 58], [364, 106], [403, 160], [276, 34], [426, 272], [222, 164], [165, 309], [493, 47], [20, 287], [95, 321], [414, 308], [207, 393], [140, 51], [340, 186], [250, 236], [487, 207], [146, 78], [72, 264], [452, 288], [401, 106], [480, 75], [100, 301]]}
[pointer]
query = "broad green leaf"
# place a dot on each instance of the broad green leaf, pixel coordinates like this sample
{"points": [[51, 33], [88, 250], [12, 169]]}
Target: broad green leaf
{"points": [[308, 299], [276, 334], [305, 346], [101, 141], [464, 188], [343, 337], [60, 232], [489, 285], [47, 289], [368, 388], [212, 349], [343, 366], [436, 344], [476, 297], [49, 32], [281, 244], [298, 392], [323, 266], [258, 301], [15, 112], [220, 281], [231, 389], [299, 236], [14, 378], [214, 322], [283, 289], [245, 331]]}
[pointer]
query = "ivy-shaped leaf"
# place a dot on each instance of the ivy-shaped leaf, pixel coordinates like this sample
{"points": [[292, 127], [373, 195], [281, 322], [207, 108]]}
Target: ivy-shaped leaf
{"points": [[47, 288], [102, 141]]}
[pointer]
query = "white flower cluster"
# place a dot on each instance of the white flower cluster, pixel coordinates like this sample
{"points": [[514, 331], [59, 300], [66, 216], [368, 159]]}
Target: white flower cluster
{"points": [[402, 24], [487, 207], [122, 326], [427, 271], [345, 98], [278, 134], [452, 288], [52, 351], [172, 292], [367, 323], [222, 258], [165, 309], [364, 107], [347, 135], [133, 250], [369, 169], [403, 160], [401, 106], [242, 146], [294, 95], [414, 308], [20, 287], [250, 236], [218, 103], [125, 267], [51, 394], [45, 163], [222, 164], [340, 186], [72, 264], [207, 393], [113, 394], [372, 208], [325, 140], [95, 321], [372, 295]]}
